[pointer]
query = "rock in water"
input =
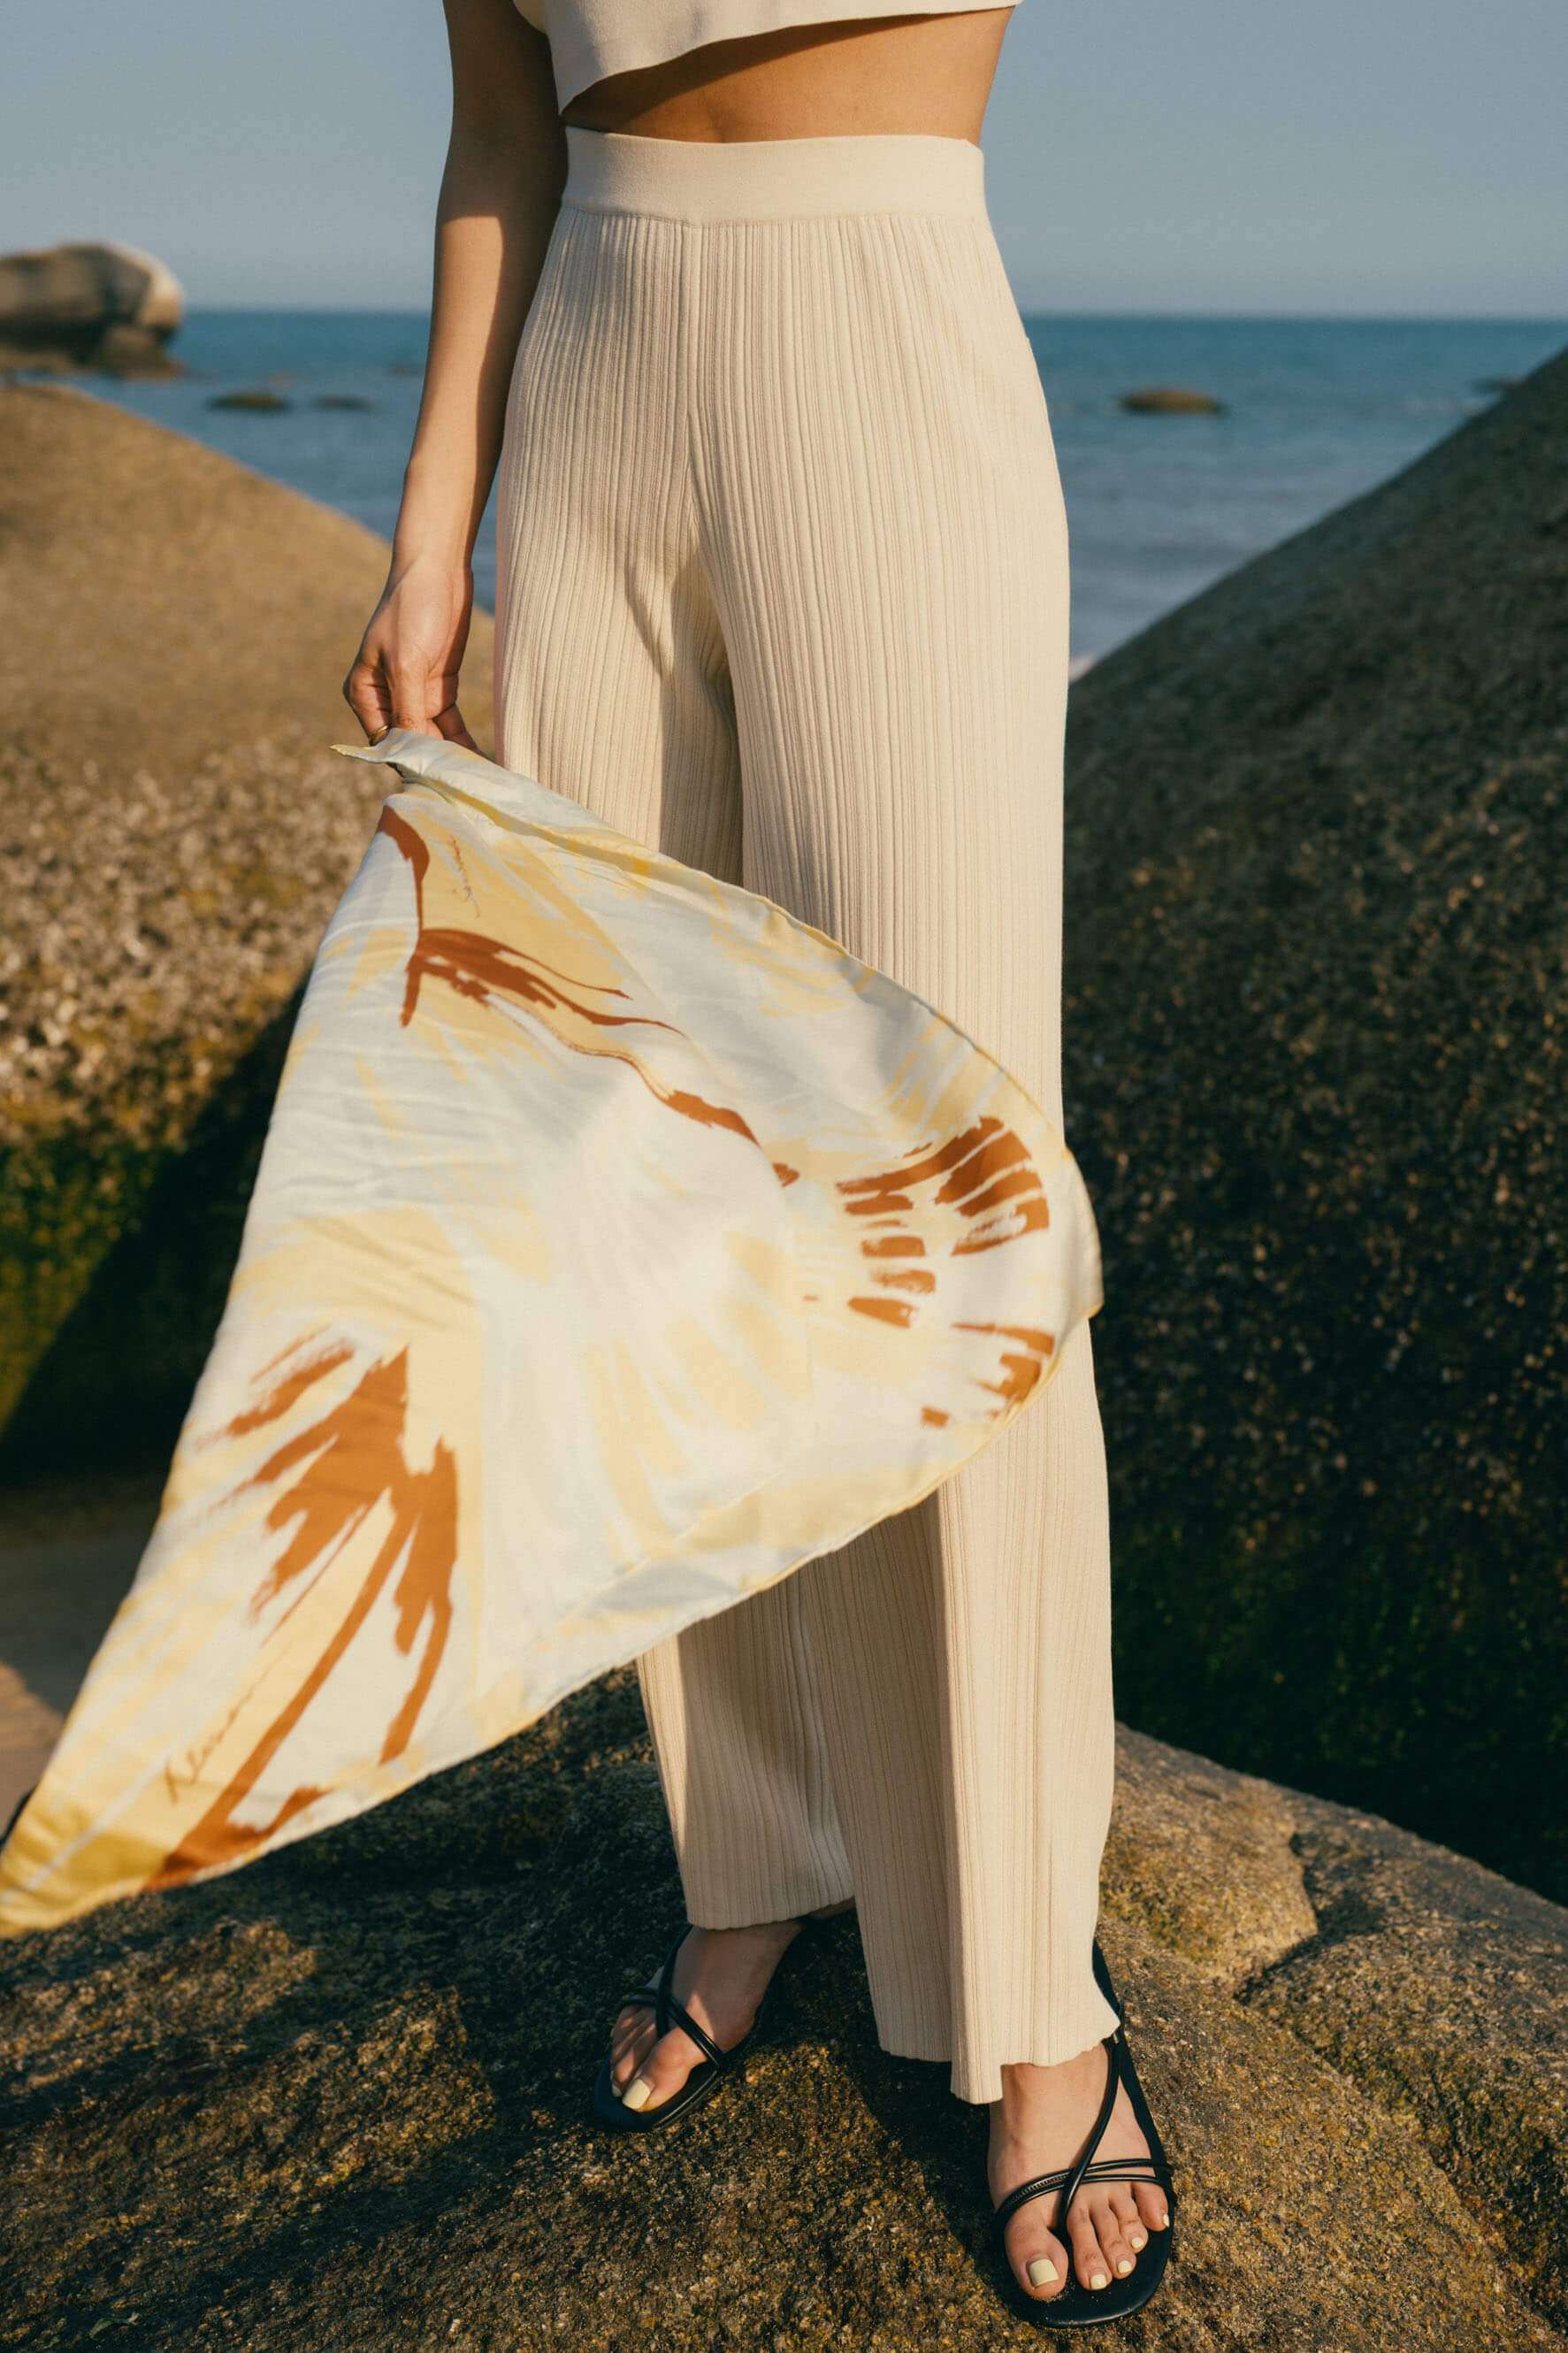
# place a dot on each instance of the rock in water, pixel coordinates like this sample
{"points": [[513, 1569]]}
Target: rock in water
{"points": [[96, 306], [1315, 1005], [175, 830], [340, 2098], [1170, 400], [264, 403]]}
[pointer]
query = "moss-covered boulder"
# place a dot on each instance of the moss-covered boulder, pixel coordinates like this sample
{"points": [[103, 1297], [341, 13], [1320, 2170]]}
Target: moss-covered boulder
{"points": [[1316, 1006], [340, 2098], [173, 833]]}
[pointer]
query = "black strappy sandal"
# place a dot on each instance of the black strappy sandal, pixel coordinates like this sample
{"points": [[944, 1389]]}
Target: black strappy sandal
{"points": [[715, 2064], [1078, 2307]]}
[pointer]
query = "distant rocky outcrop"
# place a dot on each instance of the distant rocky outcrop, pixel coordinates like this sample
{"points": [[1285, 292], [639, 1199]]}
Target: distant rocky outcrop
{"points": [[89, 306], [1172, 400], [340, 2098], [259, 403], [175, 831], [1316, 1004]]}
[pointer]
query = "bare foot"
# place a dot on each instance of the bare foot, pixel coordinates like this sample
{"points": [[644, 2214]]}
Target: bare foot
{"points": [[1039, 2124], [721, 1976]]}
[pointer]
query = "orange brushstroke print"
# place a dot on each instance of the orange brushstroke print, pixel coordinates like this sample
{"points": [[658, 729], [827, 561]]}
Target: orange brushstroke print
{"points": [[885, 1310], [483, 969], [1020, 1373], [347, 1462], [916, 1279], [986, 1166], [293, 1386], [999, 1170]]}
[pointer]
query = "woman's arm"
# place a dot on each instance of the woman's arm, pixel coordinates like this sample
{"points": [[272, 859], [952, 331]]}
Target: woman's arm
{"points": [[506, 166]]}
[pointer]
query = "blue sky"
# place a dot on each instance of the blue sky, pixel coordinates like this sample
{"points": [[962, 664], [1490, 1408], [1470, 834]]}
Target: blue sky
{"points": [[1372, 156]]}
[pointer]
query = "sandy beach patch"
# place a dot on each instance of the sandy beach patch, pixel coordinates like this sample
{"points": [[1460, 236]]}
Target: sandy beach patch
{"points": [[65, 1561]]}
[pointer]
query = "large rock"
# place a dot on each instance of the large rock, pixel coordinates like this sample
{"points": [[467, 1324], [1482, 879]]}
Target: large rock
{"points": [[340, 2098], [174, 832], [96, 306], [1315, 1005]]}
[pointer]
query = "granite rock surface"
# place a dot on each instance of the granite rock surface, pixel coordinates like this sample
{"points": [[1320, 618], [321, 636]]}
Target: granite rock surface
{"points": [[1315, 1007], [175, 831], [340, 2098]]}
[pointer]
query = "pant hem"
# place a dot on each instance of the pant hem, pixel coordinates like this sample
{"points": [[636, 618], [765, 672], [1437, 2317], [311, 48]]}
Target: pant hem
{"points": [[748, 1917], [978, 2085]]}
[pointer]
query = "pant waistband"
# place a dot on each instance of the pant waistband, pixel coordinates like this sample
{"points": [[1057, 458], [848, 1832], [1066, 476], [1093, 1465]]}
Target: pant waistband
{"points": [[773, 179]]}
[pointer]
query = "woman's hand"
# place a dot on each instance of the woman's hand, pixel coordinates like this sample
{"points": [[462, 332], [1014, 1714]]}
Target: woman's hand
{"points": [[405, 672]]}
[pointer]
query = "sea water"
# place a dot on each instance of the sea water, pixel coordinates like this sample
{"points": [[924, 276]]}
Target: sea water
{"points": [[1314, 412]]}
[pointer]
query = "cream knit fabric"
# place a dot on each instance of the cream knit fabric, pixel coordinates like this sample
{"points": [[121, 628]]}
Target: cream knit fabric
{"points": [[783, 592], [590, 39]]}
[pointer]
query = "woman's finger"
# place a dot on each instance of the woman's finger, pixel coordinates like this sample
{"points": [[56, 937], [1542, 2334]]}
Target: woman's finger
{"points": [[449, 723], [411, 699], [365, 692]]}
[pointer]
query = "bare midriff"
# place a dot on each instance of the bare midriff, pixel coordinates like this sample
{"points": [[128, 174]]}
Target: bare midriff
{"points": [[882, 74]]}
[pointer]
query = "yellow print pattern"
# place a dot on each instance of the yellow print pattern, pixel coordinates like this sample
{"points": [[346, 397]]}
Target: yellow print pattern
{"points": [[619, 1242]]}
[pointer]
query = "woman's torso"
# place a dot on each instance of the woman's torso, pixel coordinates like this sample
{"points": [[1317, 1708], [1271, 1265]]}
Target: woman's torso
{"points": [[744, 70]]}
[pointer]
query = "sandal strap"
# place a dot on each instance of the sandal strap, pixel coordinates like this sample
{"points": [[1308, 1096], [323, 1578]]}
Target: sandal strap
{"points": [[714, 2052], [1041, 2186], [1146, 2170], [1113, 2048], [1102, 1980], [1069, 2179], [1091, 2167], [666, 2009]]}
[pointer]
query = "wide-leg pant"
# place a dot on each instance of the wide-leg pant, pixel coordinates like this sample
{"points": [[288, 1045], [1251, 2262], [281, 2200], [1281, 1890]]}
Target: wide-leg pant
{"points": [[784, 591]]}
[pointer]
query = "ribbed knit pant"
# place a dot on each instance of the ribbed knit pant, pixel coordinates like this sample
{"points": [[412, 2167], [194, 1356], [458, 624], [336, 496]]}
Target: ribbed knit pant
{"points": [[784, 591]]}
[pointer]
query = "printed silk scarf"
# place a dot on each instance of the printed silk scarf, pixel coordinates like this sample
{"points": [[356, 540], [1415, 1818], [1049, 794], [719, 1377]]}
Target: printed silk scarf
{"points": [[619, 1243]]}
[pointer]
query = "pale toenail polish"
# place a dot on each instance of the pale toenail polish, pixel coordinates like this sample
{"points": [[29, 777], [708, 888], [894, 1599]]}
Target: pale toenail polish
{"points": [[638, 2095], [1042, 2272], [1099, 2280], [1122, 2269], [1139, 2243]]}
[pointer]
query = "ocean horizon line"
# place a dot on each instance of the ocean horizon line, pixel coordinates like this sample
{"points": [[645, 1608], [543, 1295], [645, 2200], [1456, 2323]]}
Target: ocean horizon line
{"points": [[1529, 318], [1297, 414]]}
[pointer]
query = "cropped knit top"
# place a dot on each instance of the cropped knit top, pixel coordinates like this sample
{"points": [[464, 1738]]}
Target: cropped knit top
{"points": [[590, 39]]}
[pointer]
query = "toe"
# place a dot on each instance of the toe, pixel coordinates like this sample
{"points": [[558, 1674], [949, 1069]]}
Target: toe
{"points": [[1113, 2245], [635, 2020], [1090, 2260], [629, 2046], [663, 2072], [1038, 2258], [1107, 2228], [625, 2063], [1129, 2224], [1153, 2206]]}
